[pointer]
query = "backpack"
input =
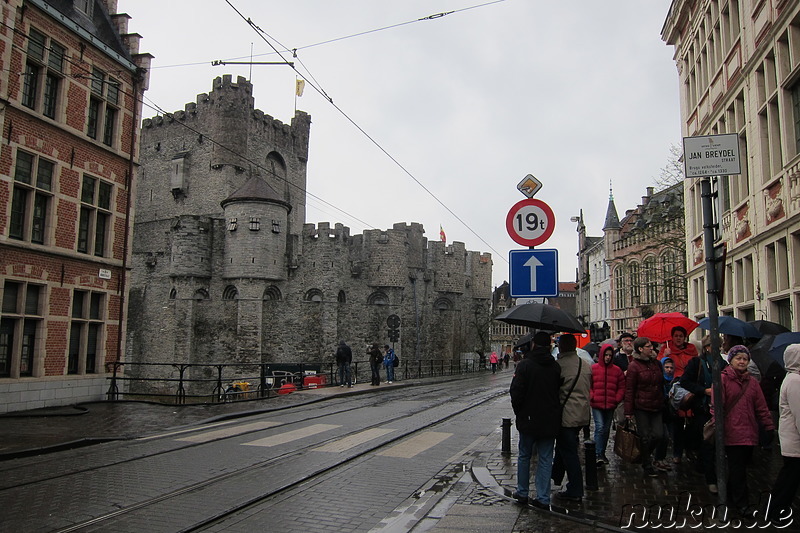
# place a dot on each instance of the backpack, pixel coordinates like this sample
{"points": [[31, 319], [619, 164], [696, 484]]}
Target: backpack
{"points": [[680, 398], [396, 361]]}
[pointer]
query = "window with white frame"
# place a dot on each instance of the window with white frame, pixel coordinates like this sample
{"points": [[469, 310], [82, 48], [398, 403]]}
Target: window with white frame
{"points": [[95, 216], [103, 107], [43, 75], [21, 317], [86, 331], [31, 198]]}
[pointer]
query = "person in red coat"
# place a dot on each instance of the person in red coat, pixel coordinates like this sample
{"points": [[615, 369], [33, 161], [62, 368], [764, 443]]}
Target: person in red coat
{"points": [[608, 390], [745, 409], [644, 399], [679, 349]]}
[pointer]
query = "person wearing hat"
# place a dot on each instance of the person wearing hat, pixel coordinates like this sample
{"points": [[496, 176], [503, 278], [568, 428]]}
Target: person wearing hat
{"points": [[744, 409]]}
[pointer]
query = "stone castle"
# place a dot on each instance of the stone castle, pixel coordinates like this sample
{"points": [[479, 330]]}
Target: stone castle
{"points": [[225, 269]]}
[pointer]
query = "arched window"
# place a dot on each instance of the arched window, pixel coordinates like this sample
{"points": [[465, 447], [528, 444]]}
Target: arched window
{"points": [[672, 278], [173, 294], [443, 304], [272, 293], [619, 287], [650, 280], [200, 294], [378, 298], [635, 284], [230, 293], [313, 295], [341, 298]]}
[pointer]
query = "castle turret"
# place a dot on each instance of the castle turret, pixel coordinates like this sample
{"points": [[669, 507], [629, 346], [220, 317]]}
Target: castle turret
{"points": [[255, 232]]}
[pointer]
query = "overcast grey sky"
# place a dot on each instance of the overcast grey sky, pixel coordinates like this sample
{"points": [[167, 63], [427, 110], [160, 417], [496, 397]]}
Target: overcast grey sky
{"points": [[578, 93]]}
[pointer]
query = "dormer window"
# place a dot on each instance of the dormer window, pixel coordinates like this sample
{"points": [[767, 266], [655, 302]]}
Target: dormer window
{"points": [[85, 6]]}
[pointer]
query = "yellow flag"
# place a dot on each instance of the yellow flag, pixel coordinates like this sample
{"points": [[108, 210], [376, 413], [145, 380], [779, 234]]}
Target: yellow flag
{"points": [[299, 86]]}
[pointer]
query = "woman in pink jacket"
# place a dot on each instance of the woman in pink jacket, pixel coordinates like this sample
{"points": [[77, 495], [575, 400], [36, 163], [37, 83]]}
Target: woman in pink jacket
{"points": [[606, 393], [745, 410]]}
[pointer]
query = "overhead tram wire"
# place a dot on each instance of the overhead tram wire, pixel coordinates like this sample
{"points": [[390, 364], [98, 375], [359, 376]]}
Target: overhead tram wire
{"points": [[337, 39], [268, 39], [255, 164]]}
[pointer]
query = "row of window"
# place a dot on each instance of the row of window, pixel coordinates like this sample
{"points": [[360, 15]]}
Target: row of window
{"points": [[32, 206], [22, 329], [662, 280], [43, 80]]}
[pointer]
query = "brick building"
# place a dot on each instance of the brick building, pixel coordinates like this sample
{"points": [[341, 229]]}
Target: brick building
{"points": [[71, 86], [225, 269]]}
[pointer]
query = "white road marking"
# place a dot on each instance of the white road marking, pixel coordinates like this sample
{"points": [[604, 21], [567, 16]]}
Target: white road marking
{"points": [[290, 436], [415, 445], [228, 432], [352, 441]]}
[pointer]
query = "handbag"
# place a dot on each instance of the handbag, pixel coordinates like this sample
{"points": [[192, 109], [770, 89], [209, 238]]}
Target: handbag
{"points": [[710, 427], [627, 443], [680, 398]]}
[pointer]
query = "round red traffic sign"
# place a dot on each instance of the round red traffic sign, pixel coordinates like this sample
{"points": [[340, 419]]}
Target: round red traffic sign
{"points": [[530, 222]]}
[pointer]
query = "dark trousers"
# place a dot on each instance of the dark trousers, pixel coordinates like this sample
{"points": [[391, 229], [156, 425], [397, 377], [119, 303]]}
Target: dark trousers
{"points": [[738, 459], [650, 426], [785, 488], [707, 455], [567, 461], [376, 373]]}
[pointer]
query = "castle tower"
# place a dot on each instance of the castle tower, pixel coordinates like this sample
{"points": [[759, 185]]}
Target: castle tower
{"points": [[255, 232]]}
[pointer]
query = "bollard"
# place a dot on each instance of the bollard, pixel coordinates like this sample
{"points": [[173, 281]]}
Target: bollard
{"points": [[590, 460], [506, 425]]}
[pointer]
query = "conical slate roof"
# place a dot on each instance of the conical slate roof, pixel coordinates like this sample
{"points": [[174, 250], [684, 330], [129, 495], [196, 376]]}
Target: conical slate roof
{"points": [[612, 220], [258, 190]]}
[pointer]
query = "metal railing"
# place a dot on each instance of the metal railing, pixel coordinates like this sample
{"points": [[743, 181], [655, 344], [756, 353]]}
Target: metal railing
{"points": [[183, 383]]}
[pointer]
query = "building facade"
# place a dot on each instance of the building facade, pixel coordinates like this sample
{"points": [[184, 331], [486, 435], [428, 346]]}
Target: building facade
{"points": [[739, 69], [645, 252], [71, 87], [226, 270], [594, 283]]}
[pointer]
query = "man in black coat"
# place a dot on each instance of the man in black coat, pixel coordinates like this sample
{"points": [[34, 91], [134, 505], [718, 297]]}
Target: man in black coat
{"points": [[537, 406], [344, 356]]}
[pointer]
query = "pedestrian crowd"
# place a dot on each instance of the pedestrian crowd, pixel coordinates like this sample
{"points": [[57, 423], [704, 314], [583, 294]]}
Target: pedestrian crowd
{"points": [[665, 392]]}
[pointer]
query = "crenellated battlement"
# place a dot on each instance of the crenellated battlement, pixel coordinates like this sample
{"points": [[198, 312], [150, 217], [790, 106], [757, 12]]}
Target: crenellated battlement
{"points": [[224, 88]]}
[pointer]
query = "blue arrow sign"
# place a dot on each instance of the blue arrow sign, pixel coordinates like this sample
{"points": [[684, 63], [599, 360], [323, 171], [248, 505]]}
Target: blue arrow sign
{"points": [[533, 273]]}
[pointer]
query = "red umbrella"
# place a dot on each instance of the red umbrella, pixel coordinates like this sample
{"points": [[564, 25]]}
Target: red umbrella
{"points": [[659, 326]]}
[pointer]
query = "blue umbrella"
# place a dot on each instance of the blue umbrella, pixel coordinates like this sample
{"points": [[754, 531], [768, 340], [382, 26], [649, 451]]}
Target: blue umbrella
{"points": [[781, 342], [733, 326]]}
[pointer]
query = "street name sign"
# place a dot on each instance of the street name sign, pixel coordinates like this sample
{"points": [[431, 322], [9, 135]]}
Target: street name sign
{"points": [[533, 273], [530, 222], [711, 155]]}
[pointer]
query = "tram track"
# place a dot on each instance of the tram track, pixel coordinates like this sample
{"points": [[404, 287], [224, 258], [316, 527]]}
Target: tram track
{"points": [[254, 473], [8, 470]]}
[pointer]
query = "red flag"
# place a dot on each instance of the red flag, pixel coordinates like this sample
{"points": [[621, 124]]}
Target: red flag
{"points": [[442, 236]]}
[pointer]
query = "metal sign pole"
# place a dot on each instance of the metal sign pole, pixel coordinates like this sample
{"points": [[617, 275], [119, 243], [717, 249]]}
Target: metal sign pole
{"points": [[713, 319]]}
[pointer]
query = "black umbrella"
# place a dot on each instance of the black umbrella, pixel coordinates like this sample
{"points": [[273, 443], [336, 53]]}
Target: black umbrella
{"points": [[592, 348], [768, 328], [524, 340], [781, 342], [759, 353], [541, 316]]}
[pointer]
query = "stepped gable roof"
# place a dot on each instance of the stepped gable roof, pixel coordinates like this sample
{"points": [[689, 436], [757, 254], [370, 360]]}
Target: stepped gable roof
{"points": [[256, 190], [612, 220], [99, 24]]}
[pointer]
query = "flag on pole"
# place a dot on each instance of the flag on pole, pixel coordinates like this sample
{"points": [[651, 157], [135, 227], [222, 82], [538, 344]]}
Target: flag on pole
{"points": [[442, 236], [299, 86]]}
